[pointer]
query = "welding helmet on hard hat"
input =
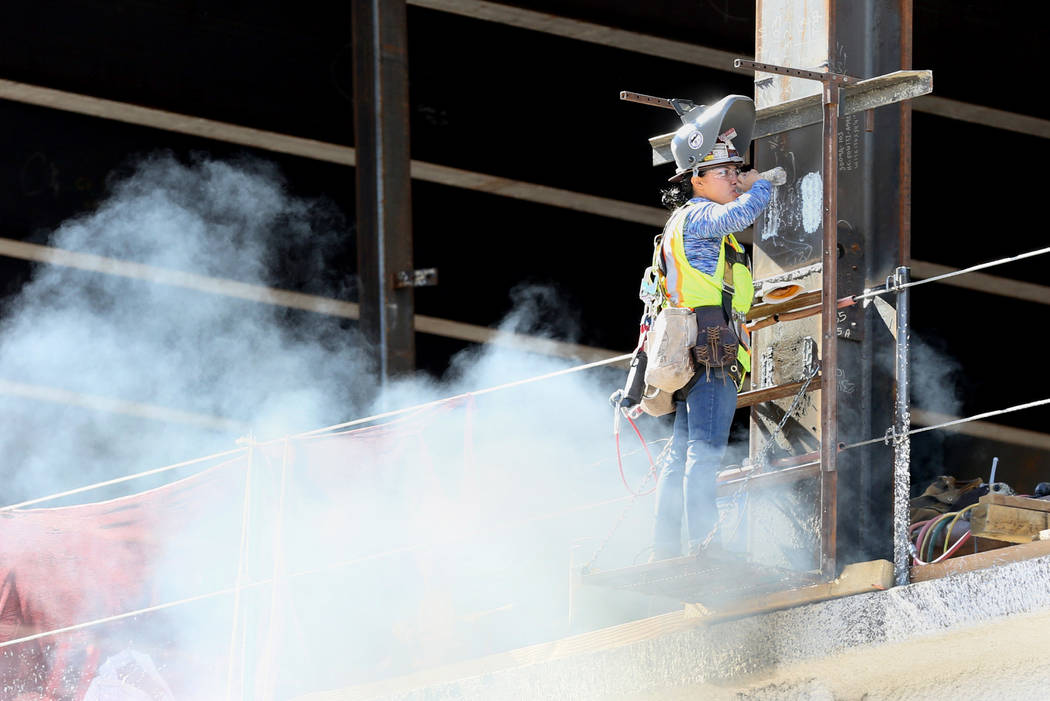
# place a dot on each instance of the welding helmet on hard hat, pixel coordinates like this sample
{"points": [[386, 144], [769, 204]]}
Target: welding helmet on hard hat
{"points": [[712, 135]]}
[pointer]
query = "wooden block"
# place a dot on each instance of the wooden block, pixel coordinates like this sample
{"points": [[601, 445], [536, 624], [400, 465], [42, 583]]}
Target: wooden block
{"points": [[856, 578], [977, 561], [1016, 502], [992, 520]]}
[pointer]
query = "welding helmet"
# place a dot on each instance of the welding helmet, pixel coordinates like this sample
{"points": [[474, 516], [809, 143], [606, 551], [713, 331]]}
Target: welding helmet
{"points": [[713, 135]]}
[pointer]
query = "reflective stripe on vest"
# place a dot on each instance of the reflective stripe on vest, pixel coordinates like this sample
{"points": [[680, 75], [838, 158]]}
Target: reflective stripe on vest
{"points": [[688, 287]]}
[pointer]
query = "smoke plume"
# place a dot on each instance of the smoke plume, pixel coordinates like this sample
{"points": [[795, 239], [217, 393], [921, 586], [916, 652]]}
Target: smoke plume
{"points": [[449, 533]]}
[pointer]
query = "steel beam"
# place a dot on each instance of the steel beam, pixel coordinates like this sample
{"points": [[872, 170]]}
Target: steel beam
{"points": [[828, 326], [430, 172], [717, 59], [384, 202], [902, 441]]}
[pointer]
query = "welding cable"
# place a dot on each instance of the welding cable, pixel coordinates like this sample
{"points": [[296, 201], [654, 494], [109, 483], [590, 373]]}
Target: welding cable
{"points": [[947, 536], [944, 522], [921, 537], [914, 527], [932, 536], [925, 537], [619, 460], [955, 548]]}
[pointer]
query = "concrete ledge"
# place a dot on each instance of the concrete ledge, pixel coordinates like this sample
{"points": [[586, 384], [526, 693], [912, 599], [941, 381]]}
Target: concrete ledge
{"points": [[673, 657]]}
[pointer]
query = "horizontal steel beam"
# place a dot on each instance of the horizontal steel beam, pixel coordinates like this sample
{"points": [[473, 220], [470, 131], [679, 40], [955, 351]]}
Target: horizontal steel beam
{"points": [[322, 151], [430, 172], [123, 407], [983, 429], [322, 305], [981, 282], [292, 300], [859, 97], [568, 28], [704, 56]]}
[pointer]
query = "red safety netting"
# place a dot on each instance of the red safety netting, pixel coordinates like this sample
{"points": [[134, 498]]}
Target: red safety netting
{"points": [[65, 566], [315, 506]]}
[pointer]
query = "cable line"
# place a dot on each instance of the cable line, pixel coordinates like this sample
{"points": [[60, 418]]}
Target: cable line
{"points": [[889, 435], [118, 480], [954, 273], [476, 393]]}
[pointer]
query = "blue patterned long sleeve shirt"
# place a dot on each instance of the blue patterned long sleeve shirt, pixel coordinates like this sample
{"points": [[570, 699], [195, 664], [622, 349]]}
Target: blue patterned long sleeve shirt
{"points": [[707, 222]]}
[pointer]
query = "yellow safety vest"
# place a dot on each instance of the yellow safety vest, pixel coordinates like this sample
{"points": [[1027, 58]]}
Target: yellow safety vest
{"points": [[688, 287]]}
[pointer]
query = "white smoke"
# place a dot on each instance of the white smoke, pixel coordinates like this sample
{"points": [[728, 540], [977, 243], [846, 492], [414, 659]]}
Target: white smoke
{"points": [[119, 338], [461, 557]]}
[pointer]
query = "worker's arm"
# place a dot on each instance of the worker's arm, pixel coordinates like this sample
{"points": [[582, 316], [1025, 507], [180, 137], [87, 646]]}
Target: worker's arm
{"points": [[711, 220], [708, 222]]}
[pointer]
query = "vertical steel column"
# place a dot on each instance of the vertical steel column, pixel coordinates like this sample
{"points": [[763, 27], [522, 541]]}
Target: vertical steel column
{"points": [[901, 441], [904, 167], [829, 337], [384, 202]]}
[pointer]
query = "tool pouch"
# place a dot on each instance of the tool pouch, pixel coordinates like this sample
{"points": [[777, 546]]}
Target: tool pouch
{"points": [[673, 334], [656, 402], [716, 343]]}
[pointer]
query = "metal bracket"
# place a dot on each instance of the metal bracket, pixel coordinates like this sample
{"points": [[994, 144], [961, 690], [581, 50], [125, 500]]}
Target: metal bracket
{"points": [[823, 77], [679, 105], [895, 281], [425, 277]]}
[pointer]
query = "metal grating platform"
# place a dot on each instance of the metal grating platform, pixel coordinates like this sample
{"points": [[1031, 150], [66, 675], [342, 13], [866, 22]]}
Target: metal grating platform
{"points": [[708, 581]]}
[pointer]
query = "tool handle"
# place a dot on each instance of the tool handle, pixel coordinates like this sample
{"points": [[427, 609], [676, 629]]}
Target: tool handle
{"points": [[777, 176]]}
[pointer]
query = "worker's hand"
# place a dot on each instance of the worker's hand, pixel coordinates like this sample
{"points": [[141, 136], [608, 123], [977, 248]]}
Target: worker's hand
{"points": [[745, 180]]}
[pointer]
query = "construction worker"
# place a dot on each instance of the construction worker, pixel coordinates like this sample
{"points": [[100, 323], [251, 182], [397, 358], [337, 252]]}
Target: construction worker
{"points": [[706, 269]]}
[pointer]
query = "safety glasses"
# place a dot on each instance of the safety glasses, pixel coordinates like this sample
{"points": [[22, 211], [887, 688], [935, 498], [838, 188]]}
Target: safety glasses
{"points": [[724, 173]]}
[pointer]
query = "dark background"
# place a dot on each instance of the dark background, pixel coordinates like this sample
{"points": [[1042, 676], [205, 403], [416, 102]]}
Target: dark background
{"points": [[534, 107]]}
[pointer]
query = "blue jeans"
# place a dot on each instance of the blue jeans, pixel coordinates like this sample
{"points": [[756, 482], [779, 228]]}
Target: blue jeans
{"points": [[687, 480]]}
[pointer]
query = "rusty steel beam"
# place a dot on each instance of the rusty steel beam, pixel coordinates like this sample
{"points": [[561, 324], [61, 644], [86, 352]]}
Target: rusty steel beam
{"points": [[435, 173], [718, 59], [768, 394], [763, 310], [384, 202], [829, 324]]}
